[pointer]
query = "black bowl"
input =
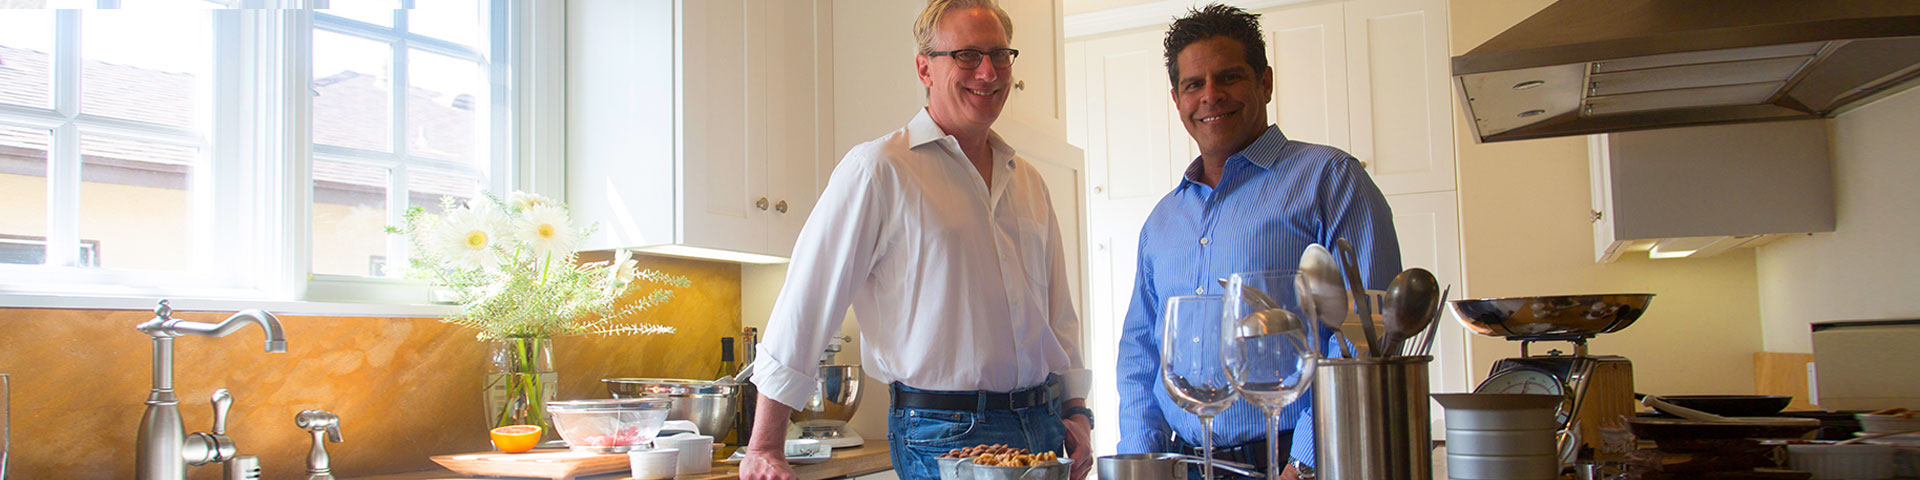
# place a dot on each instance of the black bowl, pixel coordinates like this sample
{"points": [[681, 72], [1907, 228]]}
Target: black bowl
{"points": [[1732, 405]]}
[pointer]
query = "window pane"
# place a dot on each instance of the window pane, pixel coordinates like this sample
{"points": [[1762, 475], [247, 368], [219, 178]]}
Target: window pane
{"points": [[352, 80], [349, 218], [148, 65], [23, 190], [377, 12], [446, 108], [426, 187], [135, 201], [457, 21], [26, 47]]}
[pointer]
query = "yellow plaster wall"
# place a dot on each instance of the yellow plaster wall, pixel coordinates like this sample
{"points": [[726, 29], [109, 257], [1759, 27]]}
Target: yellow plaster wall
{"points": [[405, 388], [1523, 212]]}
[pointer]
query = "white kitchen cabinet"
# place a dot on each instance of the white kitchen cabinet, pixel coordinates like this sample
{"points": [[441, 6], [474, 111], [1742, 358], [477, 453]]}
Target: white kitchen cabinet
{"points": [[1306, 46], [698, 127], [1037, 74], [1700, 191]]}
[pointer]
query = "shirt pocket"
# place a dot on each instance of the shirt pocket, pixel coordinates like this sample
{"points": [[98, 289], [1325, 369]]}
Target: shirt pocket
{"points": [[1035, 257], [938, 427]]}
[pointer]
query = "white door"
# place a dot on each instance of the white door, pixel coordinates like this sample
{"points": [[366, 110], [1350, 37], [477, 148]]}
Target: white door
{"points": [[1306, 46], [1136, 149], [1429, 231], [1037, 73], [1398, 76], [723, 90], [798, 119]]}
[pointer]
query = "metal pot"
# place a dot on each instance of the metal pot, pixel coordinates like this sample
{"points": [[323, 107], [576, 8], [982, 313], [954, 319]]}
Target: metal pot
{"points": [[708, 404], [1141, 466], [1053, 471]]}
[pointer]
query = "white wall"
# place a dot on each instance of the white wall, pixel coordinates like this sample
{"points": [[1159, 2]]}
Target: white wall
{"points": [[1524, 228], [1865, 268]]}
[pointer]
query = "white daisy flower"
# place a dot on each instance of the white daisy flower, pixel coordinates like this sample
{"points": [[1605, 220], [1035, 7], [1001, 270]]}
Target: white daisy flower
{"points": [[467, 240], [521, 201], [621, 270], [546, 229]]}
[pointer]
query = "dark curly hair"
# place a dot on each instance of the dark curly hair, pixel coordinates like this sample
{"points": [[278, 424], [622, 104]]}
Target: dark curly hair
{"points": [[1215, 20]]}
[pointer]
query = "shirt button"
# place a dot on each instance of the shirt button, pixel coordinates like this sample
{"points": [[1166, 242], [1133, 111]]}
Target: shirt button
{"points": [[1203, 240], [1201, 290]]}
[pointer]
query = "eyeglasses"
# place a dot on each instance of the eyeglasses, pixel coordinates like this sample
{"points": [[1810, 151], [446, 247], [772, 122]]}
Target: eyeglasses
{"points": [[970, 58]]}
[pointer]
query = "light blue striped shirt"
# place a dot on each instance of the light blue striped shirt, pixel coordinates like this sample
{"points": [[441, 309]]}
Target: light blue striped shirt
{"points": [[1274, 198]]}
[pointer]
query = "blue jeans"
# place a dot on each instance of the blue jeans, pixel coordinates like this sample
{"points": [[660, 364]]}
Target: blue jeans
{"points": [[917, 435]]}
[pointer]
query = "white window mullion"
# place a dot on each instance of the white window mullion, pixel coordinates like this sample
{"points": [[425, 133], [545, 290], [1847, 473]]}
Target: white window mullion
{"points": [[499, 178], [232, 196], [294, 95], [63, 155], [397, 199]]}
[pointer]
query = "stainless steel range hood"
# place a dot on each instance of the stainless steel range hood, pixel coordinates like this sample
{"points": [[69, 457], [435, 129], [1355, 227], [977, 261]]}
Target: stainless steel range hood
{"points": [[1594, 66]]}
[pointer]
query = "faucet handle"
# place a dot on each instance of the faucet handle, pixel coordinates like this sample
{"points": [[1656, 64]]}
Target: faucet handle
{"points": [[222, 403], [319, 423]]}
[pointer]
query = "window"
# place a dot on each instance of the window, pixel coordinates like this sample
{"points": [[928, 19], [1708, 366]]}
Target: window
{"points": [[211, 148]]}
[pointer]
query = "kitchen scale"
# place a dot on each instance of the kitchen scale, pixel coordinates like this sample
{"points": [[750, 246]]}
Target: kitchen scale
{"points": [[1596, 390]]}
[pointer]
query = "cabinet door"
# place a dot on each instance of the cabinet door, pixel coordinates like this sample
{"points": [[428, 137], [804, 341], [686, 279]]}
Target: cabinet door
{"points": [[1428, 227], [1037, 73], [799, 116], [1397, 69], [1306, 46], [1600, 188], [1136, 149], [722, 148]]}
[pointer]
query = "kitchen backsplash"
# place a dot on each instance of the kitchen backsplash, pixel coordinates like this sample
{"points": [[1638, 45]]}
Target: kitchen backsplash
{"points": [[405, 388]]}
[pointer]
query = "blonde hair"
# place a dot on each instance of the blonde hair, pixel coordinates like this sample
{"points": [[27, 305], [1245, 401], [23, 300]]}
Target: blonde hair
{"points": [[937, 9]]}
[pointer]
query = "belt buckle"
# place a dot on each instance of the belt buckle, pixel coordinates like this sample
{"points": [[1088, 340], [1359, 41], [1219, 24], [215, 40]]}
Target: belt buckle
{"points": [[1013, 400]]}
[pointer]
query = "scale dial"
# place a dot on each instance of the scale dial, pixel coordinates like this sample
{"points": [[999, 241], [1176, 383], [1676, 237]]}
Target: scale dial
{"points": [[1530, 381]]}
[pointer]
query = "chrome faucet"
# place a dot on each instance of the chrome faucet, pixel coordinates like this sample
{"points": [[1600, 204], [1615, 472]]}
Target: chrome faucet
{"points": [[165, 449]]}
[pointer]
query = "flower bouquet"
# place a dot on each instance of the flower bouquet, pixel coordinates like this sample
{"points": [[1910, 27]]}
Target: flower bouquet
{"points": [[510, 266]]}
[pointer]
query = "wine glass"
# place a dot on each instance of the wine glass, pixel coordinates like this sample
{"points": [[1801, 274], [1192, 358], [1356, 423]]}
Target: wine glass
{"points": [[1272, 344], [1190, 365]]}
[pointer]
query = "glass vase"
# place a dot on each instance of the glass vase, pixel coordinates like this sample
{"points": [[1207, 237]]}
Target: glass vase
{"points": [[520, 382]]}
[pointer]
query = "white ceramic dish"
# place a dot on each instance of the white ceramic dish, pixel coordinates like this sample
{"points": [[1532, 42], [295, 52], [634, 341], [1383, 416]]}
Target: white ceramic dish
{"points": [[654, 464], [1843, 462], [799, 452], [1904, 440], [1887, 423]]}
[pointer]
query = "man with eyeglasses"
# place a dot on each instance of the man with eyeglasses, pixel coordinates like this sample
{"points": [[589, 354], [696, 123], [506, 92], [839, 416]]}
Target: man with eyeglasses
{"points": [[945, 244]]}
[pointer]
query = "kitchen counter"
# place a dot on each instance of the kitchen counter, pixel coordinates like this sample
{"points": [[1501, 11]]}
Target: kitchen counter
{"points": [[845, 462]]}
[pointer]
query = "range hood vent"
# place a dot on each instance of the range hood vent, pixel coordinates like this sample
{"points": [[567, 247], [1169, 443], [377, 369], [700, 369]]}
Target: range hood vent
{"points": [[1595, 66]]}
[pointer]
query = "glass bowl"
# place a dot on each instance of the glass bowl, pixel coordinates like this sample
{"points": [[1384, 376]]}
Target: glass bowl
{"points": [[611, 425]]}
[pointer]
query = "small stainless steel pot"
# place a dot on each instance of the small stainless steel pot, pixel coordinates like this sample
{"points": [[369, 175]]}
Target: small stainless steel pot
{"points": [[1141, 466], [709, 405]]}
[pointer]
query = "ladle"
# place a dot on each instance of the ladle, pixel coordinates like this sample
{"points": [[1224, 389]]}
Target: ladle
{"points": [[1411, 298]]}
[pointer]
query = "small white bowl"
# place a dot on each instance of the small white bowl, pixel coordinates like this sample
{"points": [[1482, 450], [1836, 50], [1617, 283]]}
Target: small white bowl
{"points": [[696, 452], [1887, 423], [1843, 462], [654, 464]]}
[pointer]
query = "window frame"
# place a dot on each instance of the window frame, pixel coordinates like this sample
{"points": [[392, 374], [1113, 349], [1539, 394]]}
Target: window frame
{"points": [[264, 52]]}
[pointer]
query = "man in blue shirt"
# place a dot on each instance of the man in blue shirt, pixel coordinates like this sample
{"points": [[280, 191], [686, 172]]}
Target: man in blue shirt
{"points": [[1253, 201]]}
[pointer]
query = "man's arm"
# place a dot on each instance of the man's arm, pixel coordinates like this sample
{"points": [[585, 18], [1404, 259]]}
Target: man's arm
{"points": [[1143, 428], [766, 457], [1065, 323], [1357, 211]]}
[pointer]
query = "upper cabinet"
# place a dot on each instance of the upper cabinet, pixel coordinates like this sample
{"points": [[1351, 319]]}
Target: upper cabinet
{"points": [[698, 127], [1699, 191], [1369, 77], [1037, 74]]}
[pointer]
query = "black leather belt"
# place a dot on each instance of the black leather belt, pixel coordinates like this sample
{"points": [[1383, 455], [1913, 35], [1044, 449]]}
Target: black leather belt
{"points": [[1032, 397], [1251, 453]]}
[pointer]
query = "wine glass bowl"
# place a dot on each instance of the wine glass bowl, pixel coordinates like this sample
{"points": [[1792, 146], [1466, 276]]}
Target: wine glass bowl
{"points": [[1271, 356]]}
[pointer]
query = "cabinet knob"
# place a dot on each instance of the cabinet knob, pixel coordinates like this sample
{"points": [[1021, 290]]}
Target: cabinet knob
{"points": [[761, 204], [780, 207], [1097, 189], [1020, 85], [1594, 216]]}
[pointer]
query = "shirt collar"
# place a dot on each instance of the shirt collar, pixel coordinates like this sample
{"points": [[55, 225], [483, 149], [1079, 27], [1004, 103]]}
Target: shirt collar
{"points": [[1265, 152], [921, 131]]}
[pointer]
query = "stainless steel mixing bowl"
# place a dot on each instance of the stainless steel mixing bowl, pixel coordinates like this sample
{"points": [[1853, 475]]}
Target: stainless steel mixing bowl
{"points": [[837, 397], [709, 405], [1558, 316]]}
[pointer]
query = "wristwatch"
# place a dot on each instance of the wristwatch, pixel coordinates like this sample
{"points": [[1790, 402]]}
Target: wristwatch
{"points": [[1306, 471], [1069, 412]]}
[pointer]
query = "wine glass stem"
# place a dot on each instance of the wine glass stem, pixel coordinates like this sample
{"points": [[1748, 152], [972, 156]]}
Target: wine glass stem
{"points": [[1206, 449], [1273, 443]]}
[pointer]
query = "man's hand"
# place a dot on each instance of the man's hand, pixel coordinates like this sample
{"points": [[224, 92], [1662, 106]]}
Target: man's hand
{"points": [[1079, 445], [763, 464]]}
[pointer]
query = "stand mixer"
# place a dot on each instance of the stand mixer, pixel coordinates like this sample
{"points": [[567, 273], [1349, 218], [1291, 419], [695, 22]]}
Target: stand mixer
{"points": [[1596, 390], [825, 415]]}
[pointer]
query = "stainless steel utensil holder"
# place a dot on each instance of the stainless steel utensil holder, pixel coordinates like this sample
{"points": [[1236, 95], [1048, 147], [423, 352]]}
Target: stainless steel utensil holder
{"points": [[1372, 418]]}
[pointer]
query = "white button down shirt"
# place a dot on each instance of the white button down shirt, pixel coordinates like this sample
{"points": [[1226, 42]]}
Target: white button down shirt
{"points": [[957, 285]]}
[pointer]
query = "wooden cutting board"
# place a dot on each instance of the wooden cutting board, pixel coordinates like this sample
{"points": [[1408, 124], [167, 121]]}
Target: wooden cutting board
{"points": [[558, 464]]}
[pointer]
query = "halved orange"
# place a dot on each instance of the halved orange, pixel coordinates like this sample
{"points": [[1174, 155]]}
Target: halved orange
{"points": [[515, 438]]}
